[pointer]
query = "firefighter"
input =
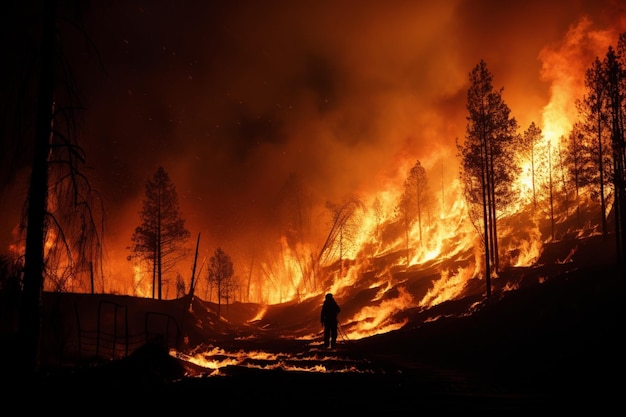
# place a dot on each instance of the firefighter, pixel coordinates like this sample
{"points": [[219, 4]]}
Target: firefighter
{"points": [[330, 310]]}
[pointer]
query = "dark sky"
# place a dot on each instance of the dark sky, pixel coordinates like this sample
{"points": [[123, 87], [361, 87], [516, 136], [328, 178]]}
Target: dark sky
{"points": [[233, 98]]}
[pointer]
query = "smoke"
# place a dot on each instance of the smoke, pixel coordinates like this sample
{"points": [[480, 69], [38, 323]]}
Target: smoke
{"points": [[235, 99], [564, 66]]}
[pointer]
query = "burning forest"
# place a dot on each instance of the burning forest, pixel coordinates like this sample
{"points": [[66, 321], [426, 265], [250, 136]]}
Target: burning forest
{"points": [[200, 176]]}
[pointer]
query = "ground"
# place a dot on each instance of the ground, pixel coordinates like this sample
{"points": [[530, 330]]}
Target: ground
{"points": [[555, 345]]}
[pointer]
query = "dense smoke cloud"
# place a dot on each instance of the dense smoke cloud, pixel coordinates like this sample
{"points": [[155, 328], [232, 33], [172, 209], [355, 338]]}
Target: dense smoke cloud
{"points": [[235, 98]]}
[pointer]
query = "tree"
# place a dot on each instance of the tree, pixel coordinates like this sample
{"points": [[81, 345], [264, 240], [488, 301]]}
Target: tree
{"points": [[59, 223], [575, 161], [595, 138], [192, 284], [220, 274], [527, 147], [486, 170], [415, 200], [30, 316], [343, 229], [603, 111], [159, 240], [615, 65]]}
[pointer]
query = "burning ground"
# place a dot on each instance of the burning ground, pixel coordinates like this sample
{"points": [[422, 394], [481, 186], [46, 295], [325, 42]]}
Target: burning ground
{"points": [[549, 338]]}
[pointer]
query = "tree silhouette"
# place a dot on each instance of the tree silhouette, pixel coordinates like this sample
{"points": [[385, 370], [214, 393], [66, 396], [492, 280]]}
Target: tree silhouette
{"points": [[528, 143], [159, 240], [342, 231], [30, 319], [220, 274], [602, 112], [486, 169], [62, 235], [595, 138], [615, 66], [576, 161], [414, 201]]}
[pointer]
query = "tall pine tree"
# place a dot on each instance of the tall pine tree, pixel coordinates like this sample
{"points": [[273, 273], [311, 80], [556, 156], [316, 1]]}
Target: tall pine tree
{"points": [[160, 239], [486, 168]]}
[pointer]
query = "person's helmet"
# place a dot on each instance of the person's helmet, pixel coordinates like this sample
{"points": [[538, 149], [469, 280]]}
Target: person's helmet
{"points": [[329, 296]]}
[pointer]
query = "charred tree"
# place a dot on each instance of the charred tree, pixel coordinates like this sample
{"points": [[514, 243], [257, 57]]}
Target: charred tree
{"points": [[160, 239], [192, 284], [30, 321], [62, 236]]}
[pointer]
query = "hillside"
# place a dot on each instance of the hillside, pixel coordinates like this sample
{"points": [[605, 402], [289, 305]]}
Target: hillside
{"points": [[550, 336]]}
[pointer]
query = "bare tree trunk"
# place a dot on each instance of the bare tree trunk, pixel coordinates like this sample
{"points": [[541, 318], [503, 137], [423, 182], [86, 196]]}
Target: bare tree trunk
{"points": [[485, 192], [552, 220], [30, 314], [192, 284], [601, 167], [159, 256]]}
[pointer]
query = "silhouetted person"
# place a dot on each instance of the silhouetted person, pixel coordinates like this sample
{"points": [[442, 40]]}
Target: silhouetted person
{"points": [[330, 310]]}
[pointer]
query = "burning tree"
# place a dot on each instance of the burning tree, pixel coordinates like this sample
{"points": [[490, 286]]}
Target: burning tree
{"points": [[343, 229], [486, 170], [414, 201], [159, 240], [527, 150], [220, 275]]}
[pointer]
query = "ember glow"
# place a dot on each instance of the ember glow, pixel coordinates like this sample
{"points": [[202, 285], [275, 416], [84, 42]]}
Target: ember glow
{"points": [[264, 125], [212, 361]]}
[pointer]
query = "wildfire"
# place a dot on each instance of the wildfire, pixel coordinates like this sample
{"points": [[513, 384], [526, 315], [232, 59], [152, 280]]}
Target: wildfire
{"points": [[377, 319], [214, 361], [376, 241], [447, 287]]}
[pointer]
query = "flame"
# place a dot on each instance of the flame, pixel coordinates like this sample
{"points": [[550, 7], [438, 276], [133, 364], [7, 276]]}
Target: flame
{"points": [[140, 281], [378, 319], [447, 287], [213, 361], [260, 314]]}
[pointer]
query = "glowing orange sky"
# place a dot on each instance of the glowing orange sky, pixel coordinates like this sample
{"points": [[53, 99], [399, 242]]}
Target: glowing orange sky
{"points": [[234, 99]]}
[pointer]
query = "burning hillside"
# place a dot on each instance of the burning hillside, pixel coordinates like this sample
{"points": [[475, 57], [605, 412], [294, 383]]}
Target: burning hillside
{"points": [[548, 340], [298, 166], [368, 309]]}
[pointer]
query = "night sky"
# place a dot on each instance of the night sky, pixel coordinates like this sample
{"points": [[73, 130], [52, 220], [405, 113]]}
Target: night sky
{"points": [[234, 98]]}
